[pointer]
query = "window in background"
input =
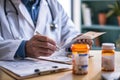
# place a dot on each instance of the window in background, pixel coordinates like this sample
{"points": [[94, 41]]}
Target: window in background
{"points": [[66, 5], [72, 7]]}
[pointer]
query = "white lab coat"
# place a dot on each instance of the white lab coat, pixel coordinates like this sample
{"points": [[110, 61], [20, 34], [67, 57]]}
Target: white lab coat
{"points": [[14, 29]]}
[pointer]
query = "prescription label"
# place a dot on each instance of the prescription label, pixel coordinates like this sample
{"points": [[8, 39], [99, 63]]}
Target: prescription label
{"points": [[80, 63], [108, 63]]}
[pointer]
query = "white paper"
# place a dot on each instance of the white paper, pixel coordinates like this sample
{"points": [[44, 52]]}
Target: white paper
{"points": [[27, 67], [58, 59], [87, 35], [111, 75], [58, 56], [90, 35]]}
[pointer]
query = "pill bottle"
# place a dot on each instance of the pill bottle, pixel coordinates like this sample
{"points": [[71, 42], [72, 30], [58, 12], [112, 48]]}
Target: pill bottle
{"points": [[80, 58], [108, 54]]}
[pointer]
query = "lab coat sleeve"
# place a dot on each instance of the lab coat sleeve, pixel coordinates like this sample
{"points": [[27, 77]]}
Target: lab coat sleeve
{"points": [[21, 50], [8, 48], [69, 31]]}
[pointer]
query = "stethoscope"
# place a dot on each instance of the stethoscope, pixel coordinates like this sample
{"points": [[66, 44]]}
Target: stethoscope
{"points": [[53, 26], [6, 13]]}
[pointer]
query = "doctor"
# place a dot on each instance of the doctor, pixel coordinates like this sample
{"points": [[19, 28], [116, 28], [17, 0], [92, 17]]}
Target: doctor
{"points": [[21, 19]]}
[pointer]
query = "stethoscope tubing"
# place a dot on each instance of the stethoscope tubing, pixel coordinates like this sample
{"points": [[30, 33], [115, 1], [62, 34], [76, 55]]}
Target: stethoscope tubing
{"points": [[52, 25], [7, 16], [10, 25], [12, 5]]}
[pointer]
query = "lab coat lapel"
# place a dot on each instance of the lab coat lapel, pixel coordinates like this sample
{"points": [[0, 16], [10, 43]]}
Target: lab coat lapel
{"points": [[26, 14], [41, 22], [54, 11]]}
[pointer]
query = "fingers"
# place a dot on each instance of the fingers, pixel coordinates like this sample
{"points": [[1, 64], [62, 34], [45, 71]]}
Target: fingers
{"points": [[40, 46], [85, 41], [46, 45], [38, 54], [46, 48], [44, 52], [41, 52], [44, 39], [89, 41]]}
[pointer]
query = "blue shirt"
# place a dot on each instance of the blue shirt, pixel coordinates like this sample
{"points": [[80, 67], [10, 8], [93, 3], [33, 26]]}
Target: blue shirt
{"points": [[33, 8]]}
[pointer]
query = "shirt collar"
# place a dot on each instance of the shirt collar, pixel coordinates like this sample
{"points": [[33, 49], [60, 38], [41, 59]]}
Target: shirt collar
{"points": [[27, 1]]}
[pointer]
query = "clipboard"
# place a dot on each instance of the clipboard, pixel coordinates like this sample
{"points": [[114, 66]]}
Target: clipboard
{"points": [[12, 69]]}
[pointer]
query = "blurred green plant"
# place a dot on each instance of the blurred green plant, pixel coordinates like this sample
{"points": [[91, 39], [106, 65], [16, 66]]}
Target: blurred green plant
{"points": [[118, 43], [114, 9]]}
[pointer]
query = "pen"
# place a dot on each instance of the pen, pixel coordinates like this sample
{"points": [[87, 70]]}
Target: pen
{"points": [[37, 32]]}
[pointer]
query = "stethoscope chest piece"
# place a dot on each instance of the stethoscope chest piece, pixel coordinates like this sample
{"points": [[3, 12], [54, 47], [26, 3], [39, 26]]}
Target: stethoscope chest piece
{"points": [[53, 26]]}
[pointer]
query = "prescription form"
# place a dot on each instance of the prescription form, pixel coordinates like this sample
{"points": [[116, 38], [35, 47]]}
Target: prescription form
{"points": [[27, 67]]}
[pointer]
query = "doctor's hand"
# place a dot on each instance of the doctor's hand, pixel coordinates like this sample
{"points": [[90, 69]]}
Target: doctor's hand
{"points": [[84, 40], [40, 45]]}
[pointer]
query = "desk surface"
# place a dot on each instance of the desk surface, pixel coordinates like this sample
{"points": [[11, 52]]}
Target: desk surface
{"points": [[94, 70]]}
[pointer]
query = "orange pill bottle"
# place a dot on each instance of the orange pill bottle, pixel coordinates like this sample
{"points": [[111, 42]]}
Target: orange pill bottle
{"points": [[108, 55], [80, 58]]}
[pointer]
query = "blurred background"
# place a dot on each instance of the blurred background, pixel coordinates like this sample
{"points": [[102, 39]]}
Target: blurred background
{"points": [[96, 15]]}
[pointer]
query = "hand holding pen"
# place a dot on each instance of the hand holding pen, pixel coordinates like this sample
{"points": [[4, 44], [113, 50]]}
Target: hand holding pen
{"points": [[40, 45]]}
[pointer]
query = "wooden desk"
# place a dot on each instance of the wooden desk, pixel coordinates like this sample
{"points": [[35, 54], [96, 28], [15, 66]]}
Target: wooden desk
{"points": [[94, 71]]}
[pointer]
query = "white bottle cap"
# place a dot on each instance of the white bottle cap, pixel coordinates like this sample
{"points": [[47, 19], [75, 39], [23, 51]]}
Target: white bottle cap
{"points": [[108, 46]]}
